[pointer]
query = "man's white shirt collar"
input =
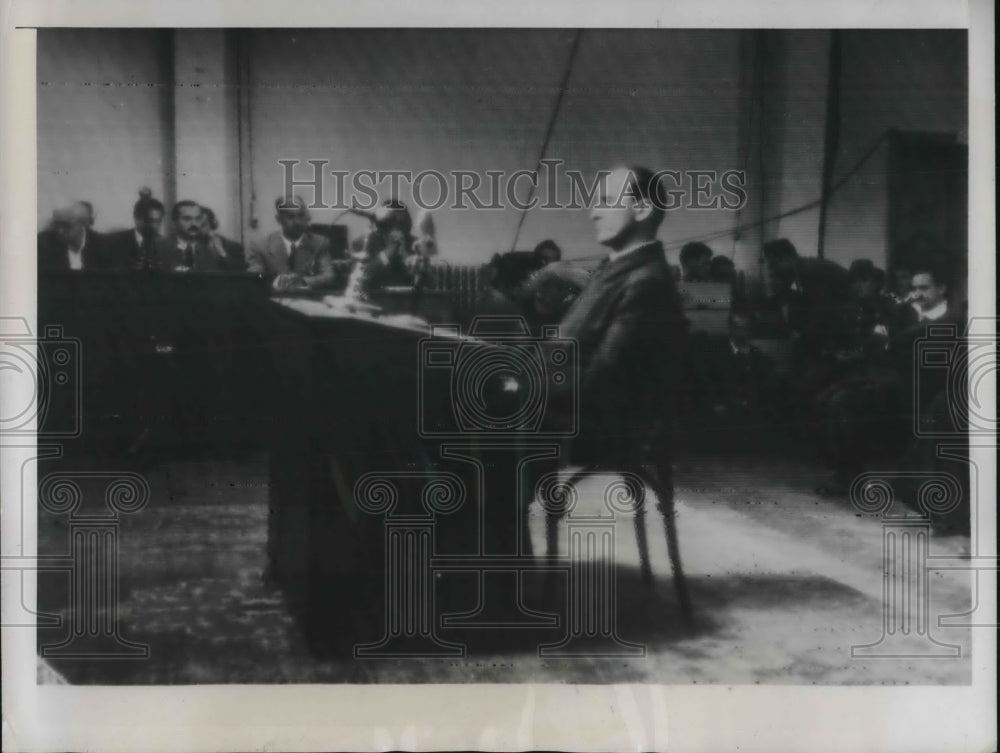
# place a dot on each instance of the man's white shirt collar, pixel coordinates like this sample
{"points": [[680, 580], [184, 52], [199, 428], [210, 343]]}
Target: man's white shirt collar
{"points": [[138, 237], [932, 314], [76, 256], [288, 243], [615, 255]]}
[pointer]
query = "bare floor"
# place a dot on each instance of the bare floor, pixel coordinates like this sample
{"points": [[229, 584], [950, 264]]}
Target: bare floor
{"points": [[784, 582]]}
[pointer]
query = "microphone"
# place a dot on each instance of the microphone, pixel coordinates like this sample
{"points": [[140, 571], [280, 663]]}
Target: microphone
{"points": [[370, 216], [359, 212]]}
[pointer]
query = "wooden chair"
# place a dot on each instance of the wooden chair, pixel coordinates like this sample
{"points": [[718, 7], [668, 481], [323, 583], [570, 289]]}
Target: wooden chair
{"points": [[652, 470]]}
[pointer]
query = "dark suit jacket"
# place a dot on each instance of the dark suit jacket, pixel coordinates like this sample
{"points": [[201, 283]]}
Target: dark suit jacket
{"points": [[52, 255], [125, 254], [168, 257], [813, 310], [921, 383], [629, 327], [825, 286], [313, 260]]}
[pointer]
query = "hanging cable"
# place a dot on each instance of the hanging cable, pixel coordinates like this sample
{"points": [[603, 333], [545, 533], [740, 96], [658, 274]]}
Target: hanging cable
{"points": [[548, 131], [716, 235]]}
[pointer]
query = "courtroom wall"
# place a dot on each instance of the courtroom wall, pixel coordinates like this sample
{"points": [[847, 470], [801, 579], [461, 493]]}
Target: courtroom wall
{"points": [[914, 80], [422, 99], [104, 119], [111, 120]]}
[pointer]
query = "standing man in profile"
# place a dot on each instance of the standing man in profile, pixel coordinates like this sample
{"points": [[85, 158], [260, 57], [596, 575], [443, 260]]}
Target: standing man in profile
{"points": [[630, 330], [185, 250], [293, 257]]}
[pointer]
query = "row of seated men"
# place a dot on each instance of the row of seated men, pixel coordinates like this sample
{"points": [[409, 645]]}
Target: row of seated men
{"points": [[293, 256], [857, 386], [852, 337]]}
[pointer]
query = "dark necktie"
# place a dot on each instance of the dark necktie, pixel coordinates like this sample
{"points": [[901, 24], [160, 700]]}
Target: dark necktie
{"points": [[189, 256], [291, 256]]}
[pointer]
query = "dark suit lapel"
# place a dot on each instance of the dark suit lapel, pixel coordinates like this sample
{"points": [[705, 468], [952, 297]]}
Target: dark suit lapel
{"points": [[632, 260], [590, 309], [310, 245], [276, 248]]}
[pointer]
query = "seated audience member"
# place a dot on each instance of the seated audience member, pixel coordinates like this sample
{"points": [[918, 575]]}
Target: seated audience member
{"points": [[292, 257], [696, 260], [722, 269], [549, 292], [808, 292], [185, 250], [425, 243], [857, 413], [134, 249], [807, 298], [932, 405], [930, 305], [865, 317], [70, 244], [546, 252], [494, 298], [737, 377], [208, 227], [900, 280], [929, 295], [545, 295], [390, 256]]}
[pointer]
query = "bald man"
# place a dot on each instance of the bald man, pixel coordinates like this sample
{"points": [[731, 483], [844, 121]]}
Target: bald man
{"points": [[629, 326], [70, 244]]}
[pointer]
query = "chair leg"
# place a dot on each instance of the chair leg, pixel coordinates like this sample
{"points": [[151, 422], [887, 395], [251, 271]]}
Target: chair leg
{"points": [[673, 550], [639, 520], [664, 489], [641, 542]]}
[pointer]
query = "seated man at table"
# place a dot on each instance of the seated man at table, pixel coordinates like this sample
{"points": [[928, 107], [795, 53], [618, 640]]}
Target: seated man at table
{"points": [[185, 250], [292, 257], [69, 244], [222, 245], [133, 249]]}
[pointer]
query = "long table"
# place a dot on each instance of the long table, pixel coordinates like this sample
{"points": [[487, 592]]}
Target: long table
{"points": [[369, 493]]}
